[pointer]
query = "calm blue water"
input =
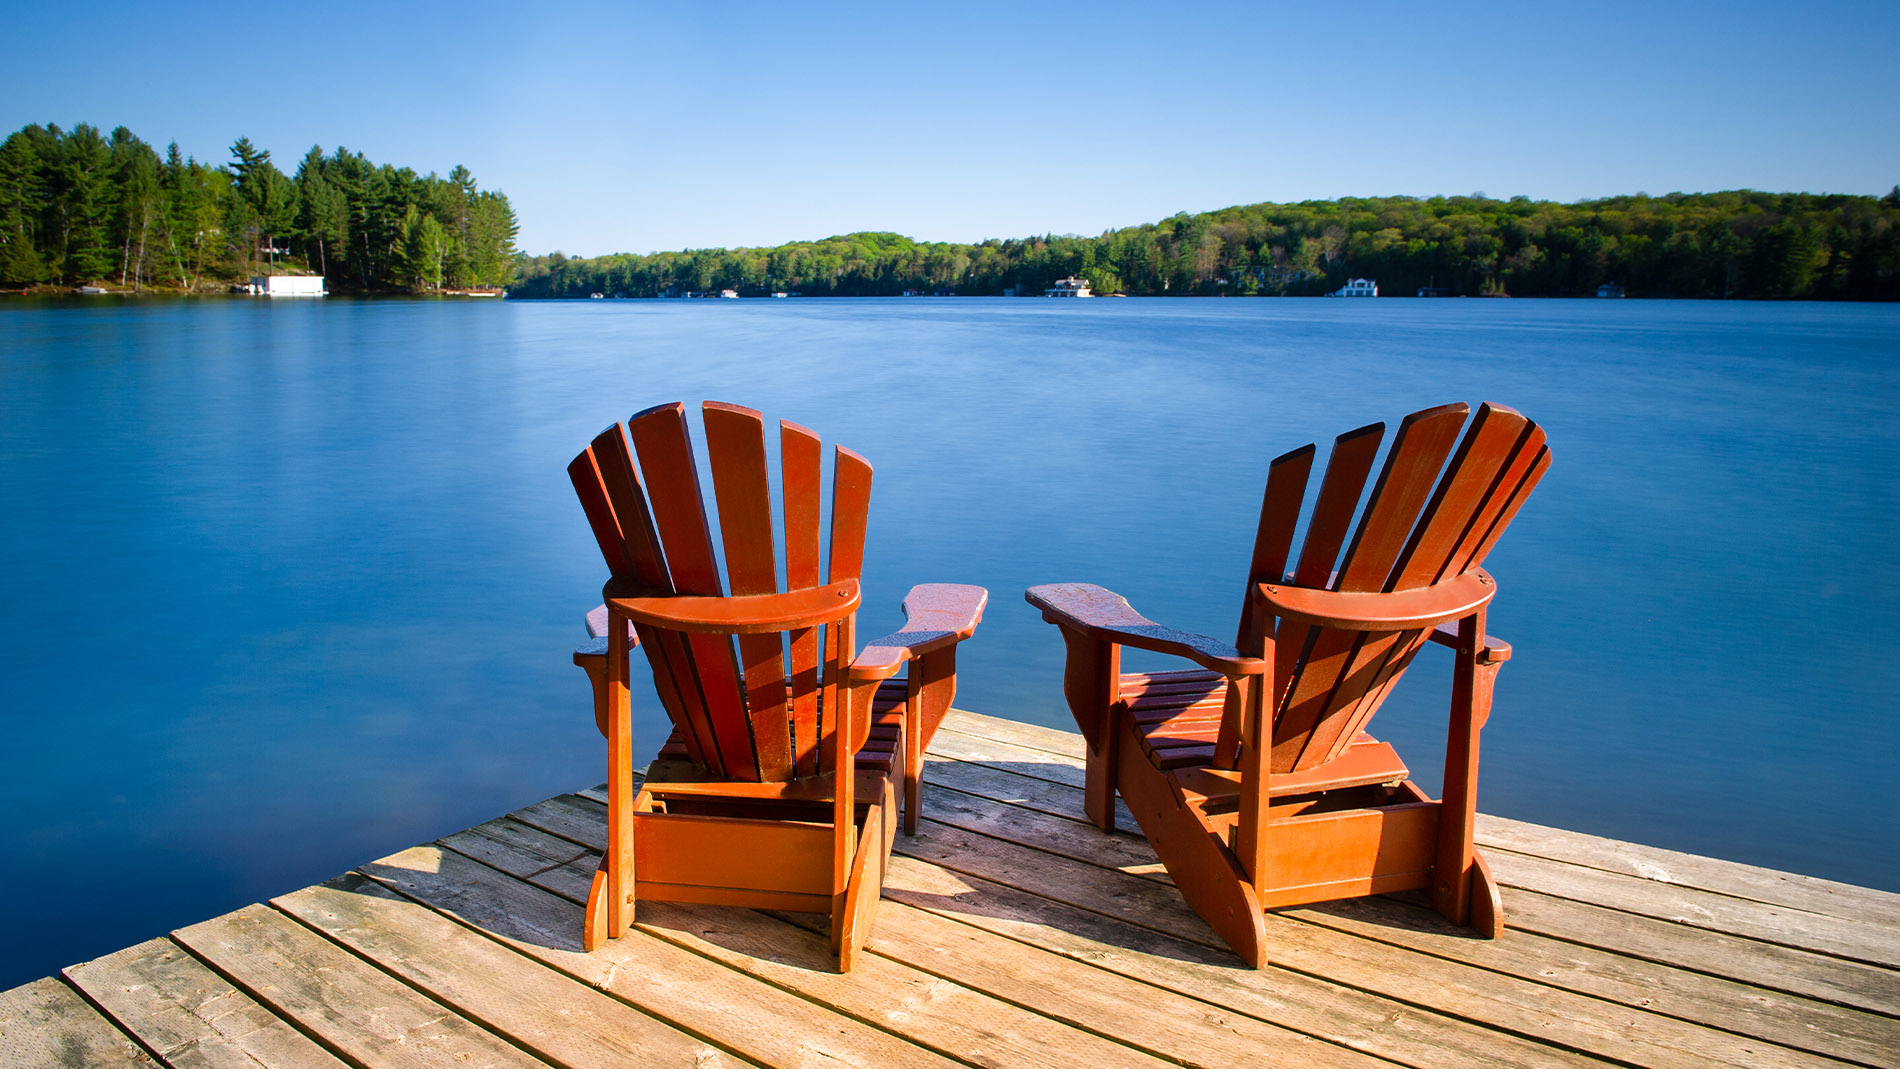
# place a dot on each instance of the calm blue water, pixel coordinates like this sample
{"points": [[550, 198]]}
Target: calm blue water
{"points": [[291, 586]]}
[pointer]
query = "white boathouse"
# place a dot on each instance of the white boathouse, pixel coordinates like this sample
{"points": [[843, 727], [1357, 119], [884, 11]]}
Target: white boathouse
{"points": [[287, 285]]}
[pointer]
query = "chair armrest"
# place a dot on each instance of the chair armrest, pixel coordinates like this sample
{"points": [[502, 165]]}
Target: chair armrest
{"points": [[1106, 616], [740, 614], [1495, 651], [936, 616], [1399, 610], [596, 645]]}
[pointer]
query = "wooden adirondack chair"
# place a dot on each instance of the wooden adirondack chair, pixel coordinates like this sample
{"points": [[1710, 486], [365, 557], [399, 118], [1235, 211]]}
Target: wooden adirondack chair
{"points": [[776, 788], [1252, 776]]}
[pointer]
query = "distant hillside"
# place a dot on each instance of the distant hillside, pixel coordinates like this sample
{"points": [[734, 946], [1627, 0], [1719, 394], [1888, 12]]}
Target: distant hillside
{"points": [[76, 207], [1736, 244]]}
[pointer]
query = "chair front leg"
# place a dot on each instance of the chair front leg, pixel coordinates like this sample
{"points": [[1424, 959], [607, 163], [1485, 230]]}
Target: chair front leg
{"points": [[1092, 683], [930, 685], [1471, 688], [611, 900]]}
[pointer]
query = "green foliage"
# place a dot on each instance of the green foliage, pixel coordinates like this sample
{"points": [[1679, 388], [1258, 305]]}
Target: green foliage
{"points": [[1735, 244], [77, 207]]}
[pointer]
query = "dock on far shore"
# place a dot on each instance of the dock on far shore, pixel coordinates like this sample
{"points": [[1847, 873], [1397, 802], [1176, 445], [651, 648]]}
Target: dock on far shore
{"points": [[1011, 933]]}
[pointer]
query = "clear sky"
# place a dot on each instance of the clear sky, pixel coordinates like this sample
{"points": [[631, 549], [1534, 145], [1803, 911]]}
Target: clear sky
{"points": [[636, 127]]}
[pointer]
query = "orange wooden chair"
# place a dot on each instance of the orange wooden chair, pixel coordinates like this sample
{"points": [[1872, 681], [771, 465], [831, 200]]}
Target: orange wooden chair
{"points": [[1252, 775], [776, 789]]}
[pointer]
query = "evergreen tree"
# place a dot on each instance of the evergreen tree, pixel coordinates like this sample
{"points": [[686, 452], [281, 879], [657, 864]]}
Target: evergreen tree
{"points": [[22, 196], [83, 199]]}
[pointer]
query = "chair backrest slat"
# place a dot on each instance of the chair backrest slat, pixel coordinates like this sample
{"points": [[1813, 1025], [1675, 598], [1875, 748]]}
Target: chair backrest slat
{"points": [[850, 516], [800, 461], [742, 485], [850, 513], [640, 543], [1273, 544], [735, 448], [584, 473], [1346, 471]]}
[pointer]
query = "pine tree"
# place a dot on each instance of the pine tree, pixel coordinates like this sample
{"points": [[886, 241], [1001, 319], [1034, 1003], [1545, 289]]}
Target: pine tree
{"points": [[22, 195], [84, 201]]}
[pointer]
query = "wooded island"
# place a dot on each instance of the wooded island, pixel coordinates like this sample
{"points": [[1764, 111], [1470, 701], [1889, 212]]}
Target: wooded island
{"points": [[80, 207]]}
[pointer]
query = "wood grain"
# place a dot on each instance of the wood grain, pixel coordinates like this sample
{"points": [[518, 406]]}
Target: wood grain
{"points": [[190, 1015], [44, 1023], [344, 1002]]}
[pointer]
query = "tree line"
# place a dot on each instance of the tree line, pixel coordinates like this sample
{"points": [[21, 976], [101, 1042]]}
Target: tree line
{"points": [[1733, 244], [80, 207]]}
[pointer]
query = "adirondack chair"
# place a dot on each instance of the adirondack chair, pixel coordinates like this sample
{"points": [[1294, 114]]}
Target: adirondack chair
{"points": [[776, 789], [1252, 775]]}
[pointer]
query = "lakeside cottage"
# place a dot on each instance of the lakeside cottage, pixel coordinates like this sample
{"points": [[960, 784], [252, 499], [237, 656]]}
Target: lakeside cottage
{"points": [[287, 285], [1359, 287]]}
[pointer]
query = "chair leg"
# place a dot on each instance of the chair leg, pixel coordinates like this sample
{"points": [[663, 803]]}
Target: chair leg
{"points": [[913, 761], [1471, 686], [594, 926], [1091, 677], [1487, 905], [1205, 871], [617, 858], [1098, 784], [852, 915]]}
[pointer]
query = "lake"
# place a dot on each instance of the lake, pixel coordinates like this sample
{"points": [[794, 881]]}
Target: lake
{"points": [[294, 585]]}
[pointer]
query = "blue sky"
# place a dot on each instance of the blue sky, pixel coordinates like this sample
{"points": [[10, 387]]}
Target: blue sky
{"points": [[638, 127]]}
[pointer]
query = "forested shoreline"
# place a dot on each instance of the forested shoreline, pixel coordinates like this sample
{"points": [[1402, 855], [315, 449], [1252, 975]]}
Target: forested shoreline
{"points": [[78, 207], [81, 208], [1741, 244]]}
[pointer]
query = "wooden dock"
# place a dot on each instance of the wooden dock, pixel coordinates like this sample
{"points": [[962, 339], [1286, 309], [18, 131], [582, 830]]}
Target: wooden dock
{"points": [[1011, 934]]}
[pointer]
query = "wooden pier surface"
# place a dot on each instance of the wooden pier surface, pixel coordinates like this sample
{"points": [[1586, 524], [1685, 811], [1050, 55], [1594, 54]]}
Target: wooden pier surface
{"points": [[1011, 934]]}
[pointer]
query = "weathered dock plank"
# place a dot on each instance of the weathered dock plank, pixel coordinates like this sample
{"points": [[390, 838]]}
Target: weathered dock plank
{"points": [[1684, 994], [937, 1013], [191, 1016], [1862, 905], [1811, 976], [1167, 1024], [1508, 1004], [45, 1023], [557, 1018], [1762, 1013], [1013, 933], [1397, 1031], [1870, 943], [348, 1004], [758, 1021]]}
